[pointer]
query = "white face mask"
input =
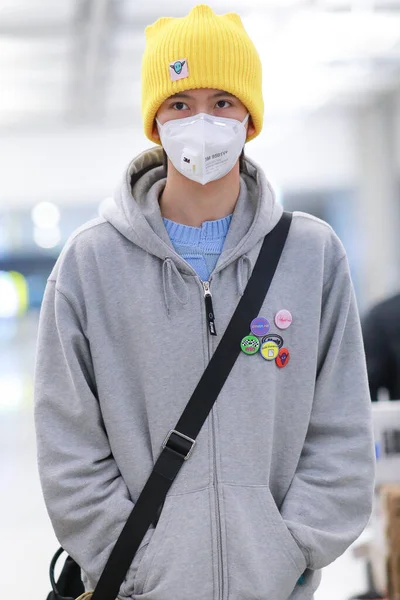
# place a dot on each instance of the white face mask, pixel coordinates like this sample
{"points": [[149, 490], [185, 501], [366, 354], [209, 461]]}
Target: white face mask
{"points": [[203, 148]]}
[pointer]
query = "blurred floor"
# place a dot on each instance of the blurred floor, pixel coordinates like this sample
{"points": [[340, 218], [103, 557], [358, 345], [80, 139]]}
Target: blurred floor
{"points": [[27, 540]]}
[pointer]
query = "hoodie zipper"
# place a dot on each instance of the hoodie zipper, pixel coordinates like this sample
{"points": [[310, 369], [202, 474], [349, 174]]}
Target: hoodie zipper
{"points": [[209, 308], [212, 331]]}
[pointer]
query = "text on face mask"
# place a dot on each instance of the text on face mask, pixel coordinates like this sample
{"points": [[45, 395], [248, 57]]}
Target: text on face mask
{"points": [[217, 155]]}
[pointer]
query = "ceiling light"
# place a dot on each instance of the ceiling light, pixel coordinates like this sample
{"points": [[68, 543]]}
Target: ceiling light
{"points": [[298, 53], [46, 215]]}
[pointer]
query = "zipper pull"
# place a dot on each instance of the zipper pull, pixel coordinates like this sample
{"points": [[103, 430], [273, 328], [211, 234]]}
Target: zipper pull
{"points": [[209, 308]]}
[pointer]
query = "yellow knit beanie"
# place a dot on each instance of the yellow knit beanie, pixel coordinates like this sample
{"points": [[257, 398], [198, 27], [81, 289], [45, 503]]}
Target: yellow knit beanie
{"points": [[201, 50]]}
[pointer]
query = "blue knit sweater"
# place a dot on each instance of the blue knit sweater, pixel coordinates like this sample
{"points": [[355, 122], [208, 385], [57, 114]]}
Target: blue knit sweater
{"points": [[199, 246]]}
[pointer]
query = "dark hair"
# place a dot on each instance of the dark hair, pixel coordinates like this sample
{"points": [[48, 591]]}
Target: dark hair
{"points": [[242, 162]]}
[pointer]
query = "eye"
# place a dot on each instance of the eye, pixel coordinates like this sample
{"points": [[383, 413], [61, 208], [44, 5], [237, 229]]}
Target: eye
{"points": [[223, 104], [179, 106]]}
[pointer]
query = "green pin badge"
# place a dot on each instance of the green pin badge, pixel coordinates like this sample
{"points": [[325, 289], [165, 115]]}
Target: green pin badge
{"points": [[250, 344]]}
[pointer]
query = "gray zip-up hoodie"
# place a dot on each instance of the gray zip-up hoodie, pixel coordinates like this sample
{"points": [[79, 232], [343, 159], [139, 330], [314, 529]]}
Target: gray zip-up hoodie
{"points": [[281, 479]]}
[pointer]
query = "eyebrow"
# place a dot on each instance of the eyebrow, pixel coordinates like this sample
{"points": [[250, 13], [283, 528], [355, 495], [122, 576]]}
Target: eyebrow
{"points": [[189, 97], [219, 94]]}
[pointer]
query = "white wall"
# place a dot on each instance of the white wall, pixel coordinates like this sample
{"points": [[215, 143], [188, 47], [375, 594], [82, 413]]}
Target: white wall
{"points": [[378, 213], [316, 152], [397, 130], [67, 166]]}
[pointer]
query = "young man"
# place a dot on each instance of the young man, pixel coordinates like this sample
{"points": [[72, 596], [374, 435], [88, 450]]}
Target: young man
{"points": [[281, 478]]}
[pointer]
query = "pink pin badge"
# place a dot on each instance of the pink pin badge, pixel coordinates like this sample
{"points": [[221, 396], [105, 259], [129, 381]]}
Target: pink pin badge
{"points": [[283, 319]]}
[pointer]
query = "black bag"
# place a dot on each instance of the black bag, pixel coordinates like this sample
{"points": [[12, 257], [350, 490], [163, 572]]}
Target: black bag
{"points": [[69, 585], [180, 441]]}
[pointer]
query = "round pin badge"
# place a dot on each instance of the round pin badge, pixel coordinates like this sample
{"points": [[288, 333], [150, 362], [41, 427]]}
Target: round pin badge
{"points": [[273, 337], [250, 344], [269, 350], [283, 358], [283, 319], [260, 326]]}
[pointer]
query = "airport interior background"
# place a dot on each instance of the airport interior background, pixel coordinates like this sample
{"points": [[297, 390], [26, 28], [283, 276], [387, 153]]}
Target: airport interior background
{"points": [[70, 121]]}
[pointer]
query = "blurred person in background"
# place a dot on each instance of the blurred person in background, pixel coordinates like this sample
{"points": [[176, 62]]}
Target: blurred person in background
{"points": [[381, 331], [281, 480]]}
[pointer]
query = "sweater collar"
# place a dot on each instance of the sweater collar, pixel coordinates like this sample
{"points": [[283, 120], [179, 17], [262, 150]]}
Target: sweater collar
{"points": [[210, 231]]}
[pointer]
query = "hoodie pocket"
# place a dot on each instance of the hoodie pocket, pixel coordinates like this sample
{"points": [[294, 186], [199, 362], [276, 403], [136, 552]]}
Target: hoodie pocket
{"points": [[178, 560], [263, 559], [127, 588]]}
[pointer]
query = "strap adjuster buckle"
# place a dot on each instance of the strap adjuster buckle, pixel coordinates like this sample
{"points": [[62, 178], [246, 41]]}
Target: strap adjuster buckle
{"points": [[177, 445]]}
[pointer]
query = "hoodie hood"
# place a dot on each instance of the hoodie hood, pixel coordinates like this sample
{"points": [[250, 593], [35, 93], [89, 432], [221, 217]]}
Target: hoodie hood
{"points": [[136, 214]]}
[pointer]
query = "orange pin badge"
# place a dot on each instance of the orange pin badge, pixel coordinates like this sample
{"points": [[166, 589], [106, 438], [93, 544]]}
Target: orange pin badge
{"points": [[283, 358]]}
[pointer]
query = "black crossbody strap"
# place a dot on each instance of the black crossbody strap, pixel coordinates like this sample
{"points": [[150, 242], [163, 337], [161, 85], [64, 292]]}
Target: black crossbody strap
{"points": [[180, 442]]}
